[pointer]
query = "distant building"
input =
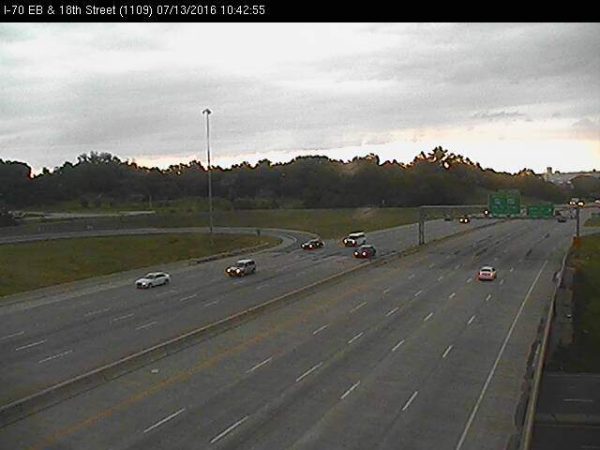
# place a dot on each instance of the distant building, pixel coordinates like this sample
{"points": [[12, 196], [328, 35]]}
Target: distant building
{"points": [[566, 177]]}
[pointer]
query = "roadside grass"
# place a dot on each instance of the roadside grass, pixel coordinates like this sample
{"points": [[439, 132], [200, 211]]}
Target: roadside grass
{"points": [[584, 355], [593, 221], [327, 223], [34, 265]]}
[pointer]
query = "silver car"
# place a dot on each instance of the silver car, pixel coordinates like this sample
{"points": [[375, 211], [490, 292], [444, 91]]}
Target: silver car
{"points": [[241, 268], [153, 279]]}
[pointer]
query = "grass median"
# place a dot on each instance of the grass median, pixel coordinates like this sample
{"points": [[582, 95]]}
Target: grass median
{"points": [[34, 265]]}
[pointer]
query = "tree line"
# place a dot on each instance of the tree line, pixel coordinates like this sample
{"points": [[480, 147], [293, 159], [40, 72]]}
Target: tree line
{"points": [[434, 178]]}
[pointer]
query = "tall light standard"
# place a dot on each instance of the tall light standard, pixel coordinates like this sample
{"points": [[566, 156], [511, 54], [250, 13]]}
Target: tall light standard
{"points": [[210, 208]]}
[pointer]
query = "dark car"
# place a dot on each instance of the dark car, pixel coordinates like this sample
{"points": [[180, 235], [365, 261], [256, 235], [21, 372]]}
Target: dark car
{"points": [[365, 251], [312, 244], [448, 218], [561, 219], [464, 219]]}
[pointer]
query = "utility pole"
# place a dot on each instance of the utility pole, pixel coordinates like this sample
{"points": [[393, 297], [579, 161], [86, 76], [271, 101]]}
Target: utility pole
{"points": [[210, 206]]}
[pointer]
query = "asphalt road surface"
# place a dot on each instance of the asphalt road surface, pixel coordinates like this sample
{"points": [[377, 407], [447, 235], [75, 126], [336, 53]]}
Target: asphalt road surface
{"points": [[53, 338], [412, 354]]}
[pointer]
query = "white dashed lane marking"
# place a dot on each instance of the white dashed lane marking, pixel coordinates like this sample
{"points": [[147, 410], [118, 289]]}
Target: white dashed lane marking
{"points": [[33, 344], [166, 419], [410, 400], [59, 355]]}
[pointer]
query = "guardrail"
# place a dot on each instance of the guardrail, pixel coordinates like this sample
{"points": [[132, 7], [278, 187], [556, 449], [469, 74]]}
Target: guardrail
{"points": [[538, 364]]}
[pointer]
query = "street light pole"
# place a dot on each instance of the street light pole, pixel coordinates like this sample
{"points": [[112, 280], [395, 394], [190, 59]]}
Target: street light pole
{"points": [[578, 210], [210, 207]]}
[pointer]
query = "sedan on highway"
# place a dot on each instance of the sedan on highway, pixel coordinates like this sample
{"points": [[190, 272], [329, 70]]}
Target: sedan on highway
{"points": [[487, 273], [464, 219], [561, 219], [241, 268], [153, 279], [313, 244], [365, 251]]}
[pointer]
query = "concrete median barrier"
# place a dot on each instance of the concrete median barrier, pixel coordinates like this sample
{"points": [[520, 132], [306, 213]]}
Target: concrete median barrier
{"points": [[69, 388]]}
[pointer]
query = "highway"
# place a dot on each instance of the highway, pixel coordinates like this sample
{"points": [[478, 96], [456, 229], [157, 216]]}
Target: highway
{"points": [[55, 337], [414, 353]]}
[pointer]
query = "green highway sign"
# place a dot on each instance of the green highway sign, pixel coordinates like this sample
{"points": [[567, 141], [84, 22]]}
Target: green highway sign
{"points": [[505, 203], [544, 211]]}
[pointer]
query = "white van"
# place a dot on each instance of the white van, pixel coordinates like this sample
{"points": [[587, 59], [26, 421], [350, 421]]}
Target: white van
{"points": [[355, 239]]}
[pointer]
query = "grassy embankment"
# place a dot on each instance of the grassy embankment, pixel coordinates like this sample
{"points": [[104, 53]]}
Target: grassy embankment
{"points": [[33, 265], [327, 223], [583, 354], [38, 264], [593, 221]]}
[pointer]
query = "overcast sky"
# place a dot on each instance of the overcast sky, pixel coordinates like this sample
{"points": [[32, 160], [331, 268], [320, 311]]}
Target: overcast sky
{"points": [[507, 95]]}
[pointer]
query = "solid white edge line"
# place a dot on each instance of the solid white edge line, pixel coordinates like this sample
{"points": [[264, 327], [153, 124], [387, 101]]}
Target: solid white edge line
{"points": [[166, 419], [463, 436], [345, 394], [410, 400], [228, 430]]}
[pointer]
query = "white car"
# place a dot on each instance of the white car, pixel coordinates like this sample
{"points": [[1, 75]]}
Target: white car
{"points": [[355, 239], [153, 279], [487, 273]]}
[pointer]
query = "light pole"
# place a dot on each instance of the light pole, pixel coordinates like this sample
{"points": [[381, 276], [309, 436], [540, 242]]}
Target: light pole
{"points": [[578, 210], [210, 208]]}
